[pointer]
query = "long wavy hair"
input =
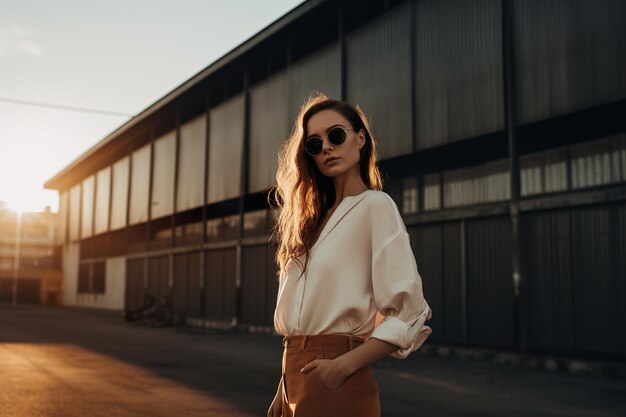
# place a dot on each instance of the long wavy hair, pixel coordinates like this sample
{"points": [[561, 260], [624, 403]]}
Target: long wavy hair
{"points": [[303, 194]]}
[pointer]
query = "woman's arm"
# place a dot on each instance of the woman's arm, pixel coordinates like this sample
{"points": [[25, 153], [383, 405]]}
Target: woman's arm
{"points": [[334, 372]]}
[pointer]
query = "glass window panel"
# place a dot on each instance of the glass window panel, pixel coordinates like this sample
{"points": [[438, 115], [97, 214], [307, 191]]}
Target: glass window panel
{"points": [[410, 201], [458, 70], [268, 129], [139, 185], [163, 178], [378, 59], [103, 194], [192, 151], [432, 192], [255, 223], [119, 194], [476, 185], [86, 222], [225, 150], [591, 163], [618, 161]]}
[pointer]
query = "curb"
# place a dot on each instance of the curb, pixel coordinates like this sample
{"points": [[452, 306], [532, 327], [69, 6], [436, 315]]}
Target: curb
{"points": [[575, 366]]}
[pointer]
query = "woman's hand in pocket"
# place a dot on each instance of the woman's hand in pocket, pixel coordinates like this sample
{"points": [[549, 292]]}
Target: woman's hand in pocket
{"points": [[331, 372]]}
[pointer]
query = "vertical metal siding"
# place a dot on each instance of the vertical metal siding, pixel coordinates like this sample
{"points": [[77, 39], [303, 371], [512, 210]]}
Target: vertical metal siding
{"points": [[192, 150], [86, 222], [103, 196], [546, 298], [318, 72], [186, 284], [225, 149], [119, 193], [458, 70], [427, 245], [569, 55], [162, 203], [617, 256], [489, 282], [140, 185], [593, 283], [378, 74], [135, 293], [158, 278], [268, 129], [253, 285], [219, 286], [453, 308]]}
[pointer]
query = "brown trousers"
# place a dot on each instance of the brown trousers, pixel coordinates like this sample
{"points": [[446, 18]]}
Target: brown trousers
{"points": [[307, 395]]}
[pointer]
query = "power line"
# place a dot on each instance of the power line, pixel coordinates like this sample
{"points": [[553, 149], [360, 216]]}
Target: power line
{"points": [[63, 107]]}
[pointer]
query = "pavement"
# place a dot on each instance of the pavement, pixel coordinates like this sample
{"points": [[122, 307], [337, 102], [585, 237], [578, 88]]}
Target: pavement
{"points": [[76, 362]]}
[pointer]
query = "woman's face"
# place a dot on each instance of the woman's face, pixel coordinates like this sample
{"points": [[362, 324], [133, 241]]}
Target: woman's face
{"points": [[346, 155]]}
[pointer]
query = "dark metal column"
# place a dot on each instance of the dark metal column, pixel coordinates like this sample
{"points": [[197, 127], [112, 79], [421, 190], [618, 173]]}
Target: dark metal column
{"points": [[510, 124]]}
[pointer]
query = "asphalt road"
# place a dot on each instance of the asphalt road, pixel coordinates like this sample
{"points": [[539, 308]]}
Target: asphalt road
{"points": [[58, 362]]}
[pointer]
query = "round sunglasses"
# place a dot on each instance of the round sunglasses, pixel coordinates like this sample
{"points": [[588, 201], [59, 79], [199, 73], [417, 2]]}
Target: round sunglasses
{"points": [[314, 144]]}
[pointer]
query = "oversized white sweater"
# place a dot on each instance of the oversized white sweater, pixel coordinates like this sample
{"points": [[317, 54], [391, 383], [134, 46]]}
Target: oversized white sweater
{"points": [[361, 280]]}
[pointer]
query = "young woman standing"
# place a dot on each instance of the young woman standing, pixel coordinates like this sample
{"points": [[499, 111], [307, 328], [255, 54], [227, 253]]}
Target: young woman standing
{"points": [[349, 290]]}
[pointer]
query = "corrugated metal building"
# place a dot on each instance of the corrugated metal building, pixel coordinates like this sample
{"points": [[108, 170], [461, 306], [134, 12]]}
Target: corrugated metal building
{"points": [[502, 134]]}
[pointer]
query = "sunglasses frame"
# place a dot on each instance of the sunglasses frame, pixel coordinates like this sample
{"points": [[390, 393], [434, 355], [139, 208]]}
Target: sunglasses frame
{"points": [[321, 138]]}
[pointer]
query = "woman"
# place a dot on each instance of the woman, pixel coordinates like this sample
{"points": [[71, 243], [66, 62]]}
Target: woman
{"points": [[349, 291]]}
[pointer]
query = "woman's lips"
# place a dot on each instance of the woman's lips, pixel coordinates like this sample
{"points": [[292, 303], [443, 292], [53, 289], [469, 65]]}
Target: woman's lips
{"points": [[331, 160]]}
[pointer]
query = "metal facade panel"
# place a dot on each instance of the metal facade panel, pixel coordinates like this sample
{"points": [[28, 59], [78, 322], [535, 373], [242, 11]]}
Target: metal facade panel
{"points": [[489, 282], [268, 129], [163, 177], [103, 196], [219, 284], [453, 308], [569, 55], [135, 292], [119, 194], [191, 155], [619, 270], [546, 296], [225, 149], [272, 283], [158, 278], [316, 73], [186, 293], [596, 303], [378, 60], [426, 242], [28, 291], [458, 70], [179, 284], [254, 285], [86, 209], [139, 185]]}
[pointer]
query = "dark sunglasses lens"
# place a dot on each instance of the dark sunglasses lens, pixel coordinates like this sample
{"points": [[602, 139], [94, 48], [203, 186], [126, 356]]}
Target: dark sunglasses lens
{"points": [[336, 136], [313, 145]]}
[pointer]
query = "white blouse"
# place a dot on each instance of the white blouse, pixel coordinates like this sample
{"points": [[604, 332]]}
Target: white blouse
{"points": [[361, 279]]}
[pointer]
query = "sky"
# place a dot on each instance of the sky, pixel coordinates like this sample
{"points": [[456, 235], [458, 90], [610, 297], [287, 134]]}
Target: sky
{"points": [[119, 56]]}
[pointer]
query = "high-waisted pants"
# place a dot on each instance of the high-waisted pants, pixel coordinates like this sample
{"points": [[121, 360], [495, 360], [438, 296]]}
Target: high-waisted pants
{"points": [[307, 395]]}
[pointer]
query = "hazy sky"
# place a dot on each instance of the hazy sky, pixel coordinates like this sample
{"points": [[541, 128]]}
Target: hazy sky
{"points": [[114, 55]]}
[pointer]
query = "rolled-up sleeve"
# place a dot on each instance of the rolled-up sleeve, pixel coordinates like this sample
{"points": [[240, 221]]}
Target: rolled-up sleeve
{"points": [[397, 290]]}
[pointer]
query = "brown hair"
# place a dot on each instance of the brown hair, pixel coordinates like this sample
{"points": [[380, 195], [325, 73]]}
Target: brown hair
{"points": [[303, 193]]}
